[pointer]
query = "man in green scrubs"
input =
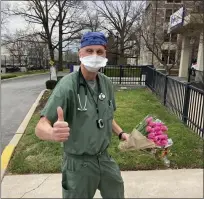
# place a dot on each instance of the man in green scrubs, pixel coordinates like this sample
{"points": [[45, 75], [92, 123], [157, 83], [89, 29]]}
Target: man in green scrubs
{"points": [[80, 113]]}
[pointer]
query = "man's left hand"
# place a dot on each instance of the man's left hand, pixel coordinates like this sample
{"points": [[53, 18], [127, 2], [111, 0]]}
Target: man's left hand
{"points": [[124, 137]]}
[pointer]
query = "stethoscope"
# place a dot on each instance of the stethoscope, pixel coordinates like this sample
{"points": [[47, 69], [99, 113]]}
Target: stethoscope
{"points": [[101, 97], [84, 84]]}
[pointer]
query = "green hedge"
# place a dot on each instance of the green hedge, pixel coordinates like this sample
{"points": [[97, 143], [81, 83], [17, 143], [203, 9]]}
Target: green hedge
{"points": [[59, 77], [7, 76], [50, 84]]}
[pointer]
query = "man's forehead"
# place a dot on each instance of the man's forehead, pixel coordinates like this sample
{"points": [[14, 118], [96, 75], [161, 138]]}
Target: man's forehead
{"points": [[94, 47]]}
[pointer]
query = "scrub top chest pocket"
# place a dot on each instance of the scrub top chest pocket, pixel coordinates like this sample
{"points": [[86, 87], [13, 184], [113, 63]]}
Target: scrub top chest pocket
{"points": [[110, 109]]}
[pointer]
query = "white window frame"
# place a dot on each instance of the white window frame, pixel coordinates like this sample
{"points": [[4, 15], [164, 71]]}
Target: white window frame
{"points": [[168, 64]]}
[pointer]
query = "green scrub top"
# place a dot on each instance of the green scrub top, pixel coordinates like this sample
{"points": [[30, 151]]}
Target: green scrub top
{"points": [[85, 137]]}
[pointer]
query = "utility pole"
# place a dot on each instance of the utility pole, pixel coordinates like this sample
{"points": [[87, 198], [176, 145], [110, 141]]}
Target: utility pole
{"points": [[117, 34], [60, 64], [154, 32]]}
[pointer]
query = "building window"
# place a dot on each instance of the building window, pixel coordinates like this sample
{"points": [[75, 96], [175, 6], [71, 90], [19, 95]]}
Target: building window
{"points": [[169, 57], [173, 1], [174, 37], [167, 37], [172, 57], [177, 1], [169, 12], [165, 56]]}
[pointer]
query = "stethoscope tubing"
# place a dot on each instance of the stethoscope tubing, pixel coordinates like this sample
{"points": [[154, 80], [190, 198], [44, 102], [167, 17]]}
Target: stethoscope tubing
{"points": [[85, 85]]}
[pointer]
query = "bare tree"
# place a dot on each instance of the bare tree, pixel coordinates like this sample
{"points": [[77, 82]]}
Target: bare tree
{"points": [[15, 46], [36, 50], [24, 47], [59, 20], [69, 25], [4, 14], [121, 17], [154, 41], [92, 21], [40, 12], [163, 45]]}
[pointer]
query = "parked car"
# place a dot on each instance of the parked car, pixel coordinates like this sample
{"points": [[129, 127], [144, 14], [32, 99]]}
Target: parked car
{"points": [[11, 69]]}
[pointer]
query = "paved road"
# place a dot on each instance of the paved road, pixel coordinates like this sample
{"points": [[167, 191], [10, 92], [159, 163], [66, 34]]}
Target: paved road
{"points": [[17, 97]]}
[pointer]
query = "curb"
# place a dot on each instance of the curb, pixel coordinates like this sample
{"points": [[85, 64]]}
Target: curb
{"points": [[9, 149], [2, 80]]}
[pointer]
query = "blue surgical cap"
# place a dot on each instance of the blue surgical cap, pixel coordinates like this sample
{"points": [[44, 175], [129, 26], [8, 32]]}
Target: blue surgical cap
{"points": [[93, 38]]}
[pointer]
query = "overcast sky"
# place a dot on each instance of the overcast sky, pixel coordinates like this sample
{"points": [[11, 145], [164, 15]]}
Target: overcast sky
{"points": [[17, 22], [14, 22]]}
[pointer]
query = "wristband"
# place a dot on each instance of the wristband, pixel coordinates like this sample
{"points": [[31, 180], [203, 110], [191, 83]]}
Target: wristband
{"points": [[120, 135]]}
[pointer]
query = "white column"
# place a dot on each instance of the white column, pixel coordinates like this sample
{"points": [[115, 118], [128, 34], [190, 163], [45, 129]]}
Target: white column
{"points": [[200, 53], [185, 56], [200, 63]]}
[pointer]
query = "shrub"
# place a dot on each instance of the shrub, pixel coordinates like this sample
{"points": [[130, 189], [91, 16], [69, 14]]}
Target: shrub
{"points": [[50, 84]]}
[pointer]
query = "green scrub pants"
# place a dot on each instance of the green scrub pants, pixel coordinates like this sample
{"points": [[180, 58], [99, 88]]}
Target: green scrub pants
{"points": [[83, 175]]}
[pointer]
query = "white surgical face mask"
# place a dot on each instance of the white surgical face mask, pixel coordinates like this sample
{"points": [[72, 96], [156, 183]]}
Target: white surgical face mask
{"points": [[93, 62]]}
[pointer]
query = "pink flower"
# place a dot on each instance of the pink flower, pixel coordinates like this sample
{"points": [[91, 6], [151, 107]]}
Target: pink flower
{"points": [[159, 133], [164, 128], [158, 143], [149, 119], [163, 137], [156, 138], [152, 124], [157, 128], [151, 135], [148, 129], [158, 124], [164, 142]]}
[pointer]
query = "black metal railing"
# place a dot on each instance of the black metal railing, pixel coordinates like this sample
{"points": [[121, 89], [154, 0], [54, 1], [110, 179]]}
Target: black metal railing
{"points": [[126, 74], [195, 75], [183, 99]]}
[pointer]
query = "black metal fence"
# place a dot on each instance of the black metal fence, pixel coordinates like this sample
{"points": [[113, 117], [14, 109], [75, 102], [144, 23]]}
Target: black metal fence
{"points": [[126, 74], [195, 76], [183, 99]]}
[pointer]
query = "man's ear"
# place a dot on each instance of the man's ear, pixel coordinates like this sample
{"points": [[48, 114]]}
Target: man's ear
{"points": [[79, 53]]}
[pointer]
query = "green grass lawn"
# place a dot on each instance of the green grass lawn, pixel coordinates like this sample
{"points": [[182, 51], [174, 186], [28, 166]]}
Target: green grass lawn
{"points": [[18, 74], [35, 156]]}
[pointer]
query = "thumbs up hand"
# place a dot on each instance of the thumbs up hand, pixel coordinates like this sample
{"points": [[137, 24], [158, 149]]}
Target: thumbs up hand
{"points": [[60, 132]]}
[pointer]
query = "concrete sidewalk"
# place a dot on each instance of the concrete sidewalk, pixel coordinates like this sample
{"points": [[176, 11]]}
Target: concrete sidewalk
{"points": [[185, 183]]}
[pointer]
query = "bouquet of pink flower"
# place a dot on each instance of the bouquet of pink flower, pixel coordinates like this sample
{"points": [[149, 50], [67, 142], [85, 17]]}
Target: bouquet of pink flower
{"points": [[155, 130]]}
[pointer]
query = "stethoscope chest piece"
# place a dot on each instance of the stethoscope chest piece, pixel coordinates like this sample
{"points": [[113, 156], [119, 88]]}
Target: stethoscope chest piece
{"points": [[101, 96], [100, 123]]}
